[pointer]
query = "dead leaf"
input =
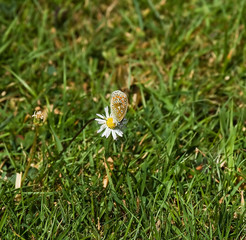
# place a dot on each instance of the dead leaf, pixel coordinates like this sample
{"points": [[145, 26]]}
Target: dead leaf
{"points": [[18, 180], [110, 166], [199, 168]]}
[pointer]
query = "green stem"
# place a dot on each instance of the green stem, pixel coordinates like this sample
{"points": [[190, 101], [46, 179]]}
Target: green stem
{"points": [[30, 158], [75, 136]]}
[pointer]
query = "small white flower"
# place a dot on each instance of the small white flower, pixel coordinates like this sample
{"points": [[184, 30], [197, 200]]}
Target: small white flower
{"points": [[38, 115], [110, 125], [38, 118]]}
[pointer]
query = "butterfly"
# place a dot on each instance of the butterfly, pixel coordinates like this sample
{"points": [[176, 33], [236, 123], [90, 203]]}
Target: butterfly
{"points": [[118, 105]]}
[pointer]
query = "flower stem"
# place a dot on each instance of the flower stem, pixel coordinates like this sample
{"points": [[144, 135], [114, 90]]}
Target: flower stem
{"points": [[31, 155], [75, 136]]}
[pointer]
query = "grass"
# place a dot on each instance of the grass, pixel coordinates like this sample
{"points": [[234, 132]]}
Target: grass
{"points": [[179, 170]]}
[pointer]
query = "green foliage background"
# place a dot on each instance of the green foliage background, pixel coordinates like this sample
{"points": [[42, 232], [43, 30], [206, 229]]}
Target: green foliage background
{"points": [[178, 172]]}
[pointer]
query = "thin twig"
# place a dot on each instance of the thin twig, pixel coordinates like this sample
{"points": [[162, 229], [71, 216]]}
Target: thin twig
{"points": [[1, 165]]}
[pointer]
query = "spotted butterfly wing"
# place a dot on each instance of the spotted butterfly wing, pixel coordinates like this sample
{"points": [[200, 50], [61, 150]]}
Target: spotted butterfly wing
{"points": [[118, 105]]}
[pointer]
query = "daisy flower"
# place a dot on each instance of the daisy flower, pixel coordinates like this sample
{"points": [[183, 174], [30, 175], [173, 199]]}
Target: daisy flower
{"points": [[109, 125]]}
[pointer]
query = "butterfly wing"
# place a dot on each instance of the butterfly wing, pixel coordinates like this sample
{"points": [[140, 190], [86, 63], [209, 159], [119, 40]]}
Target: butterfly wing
{"points": [[118, 105]]}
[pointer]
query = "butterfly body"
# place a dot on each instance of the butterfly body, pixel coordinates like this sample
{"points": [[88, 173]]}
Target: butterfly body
{"points": [[118, 105]]}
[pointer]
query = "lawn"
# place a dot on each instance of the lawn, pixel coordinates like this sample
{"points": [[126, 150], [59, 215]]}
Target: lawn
{"points": [[178, 171]]}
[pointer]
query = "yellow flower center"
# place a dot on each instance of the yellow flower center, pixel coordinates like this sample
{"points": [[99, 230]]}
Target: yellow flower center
{"points": [[110, 123]]}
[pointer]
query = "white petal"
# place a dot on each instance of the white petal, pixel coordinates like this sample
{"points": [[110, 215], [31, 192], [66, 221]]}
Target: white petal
{"points": [[101, 116], [120, 133], [114, 119], [106, 111], [104, 133], [101, 128], [108, 132], [114, 135], [100, 121]]}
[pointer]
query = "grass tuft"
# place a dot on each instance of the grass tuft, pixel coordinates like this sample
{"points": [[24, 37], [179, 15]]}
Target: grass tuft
{"points": [[178, 172]]}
